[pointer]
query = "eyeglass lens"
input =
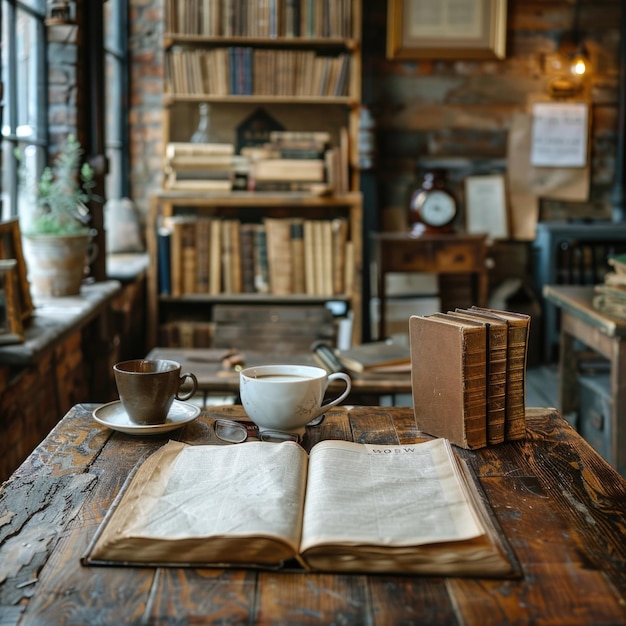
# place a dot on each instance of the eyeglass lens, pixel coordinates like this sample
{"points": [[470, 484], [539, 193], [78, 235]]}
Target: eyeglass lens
{"points": [[236, 432]]}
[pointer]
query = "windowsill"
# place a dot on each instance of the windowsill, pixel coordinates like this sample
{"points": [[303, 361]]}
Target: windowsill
{"points": [[55, 318]]}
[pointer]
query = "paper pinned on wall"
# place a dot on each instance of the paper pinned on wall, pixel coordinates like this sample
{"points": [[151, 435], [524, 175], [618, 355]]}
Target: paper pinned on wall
{"points": [[559, 134], [527, 183]]}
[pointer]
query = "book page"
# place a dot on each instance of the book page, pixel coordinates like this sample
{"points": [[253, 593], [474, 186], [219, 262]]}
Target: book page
{"points": [[395, 495], [185, 493]]}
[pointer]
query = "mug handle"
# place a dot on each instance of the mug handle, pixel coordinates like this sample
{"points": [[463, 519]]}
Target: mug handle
{"points": [[192, 391], [337, 376]]}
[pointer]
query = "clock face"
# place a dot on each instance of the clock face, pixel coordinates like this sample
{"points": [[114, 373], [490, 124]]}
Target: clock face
{"points": [[438, 208]]}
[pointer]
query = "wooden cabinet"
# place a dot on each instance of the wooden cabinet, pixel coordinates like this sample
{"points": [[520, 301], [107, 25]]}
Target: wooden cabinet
{"points": [[191, 306], [442, 254]]}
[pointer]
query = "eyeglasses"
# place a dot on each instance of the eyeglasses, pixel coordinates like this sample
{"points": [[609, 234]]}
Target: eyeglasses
{"points": [[237, 432]]}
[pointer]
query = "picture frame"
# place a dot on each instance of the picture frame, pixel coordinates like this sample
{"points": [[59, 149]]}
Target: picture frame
{"points": [[11, 248], [486, 207], [11, 326], [420, 29]]}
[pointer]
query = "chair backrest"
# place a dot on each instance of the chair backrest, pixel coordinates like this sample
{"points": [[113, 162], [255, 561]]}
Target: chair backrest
{"points": [[273, 329]]}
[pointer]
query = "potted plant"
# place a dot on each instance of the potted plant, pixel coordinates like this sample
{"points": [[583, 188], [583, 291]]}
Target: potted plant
{"points": [[57, 238]]}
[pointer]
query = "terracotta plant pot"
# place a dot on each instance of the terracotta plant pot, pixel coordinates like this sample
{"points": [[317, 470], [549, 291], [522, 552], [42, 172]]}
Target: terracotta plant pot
{"points": [[56, 263]]}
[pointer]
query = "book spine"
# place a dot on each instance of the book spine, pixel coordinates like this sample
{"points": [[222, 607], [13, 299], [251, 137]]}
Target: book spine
{"points": [[164, 269], [279, 255], [515, 426], [297, 255], [247, 258], [475, 387], [203, 234], [496, 400], [261, 268]]}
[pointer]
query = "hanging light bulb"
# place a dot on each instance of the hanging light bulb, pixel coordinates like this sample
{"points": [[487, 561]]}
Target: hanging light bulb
{"points": [[580, 62]]}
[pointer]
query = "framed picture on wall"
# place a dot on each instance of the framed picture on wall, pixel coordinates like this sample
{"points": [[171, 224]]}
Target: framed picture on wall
{"points": [[446, 29], [11, 327], [486, 206], [11, 248]]}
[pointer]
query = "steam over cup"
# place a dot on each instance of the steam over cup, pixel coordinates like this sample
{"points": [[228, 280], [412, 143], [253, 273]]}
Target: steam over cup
{"points": [[147, 388], [286, 397]]}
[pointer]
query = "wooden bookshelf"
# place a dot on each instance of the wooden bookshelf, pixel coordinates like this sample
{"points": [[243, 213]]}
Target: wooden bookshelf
{"points": [[296, 63], [298, 60], [339, 271]]}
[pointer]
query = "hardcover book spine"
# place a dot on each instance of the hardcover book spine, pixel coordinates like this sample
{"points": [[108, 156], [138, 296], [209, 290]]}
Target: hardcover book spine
{"points": [[517, 348], [473, 349], [203, 235], [297, 255], [163, 243], [279, 255], [247, 258]]}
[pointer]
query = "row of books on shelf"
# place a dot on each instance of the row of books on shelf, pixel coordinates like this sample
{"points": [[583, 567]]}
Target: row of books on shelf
{"points": [[278, 256], [290, 161], [468, 370], [242, 70], [260, 19]]}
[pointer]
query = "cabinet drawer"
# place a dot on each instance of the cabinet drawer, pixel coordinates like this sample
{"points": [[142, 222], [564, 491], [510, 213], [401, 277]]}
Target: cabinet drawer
{"points": [[432, 256], [594, 415]]}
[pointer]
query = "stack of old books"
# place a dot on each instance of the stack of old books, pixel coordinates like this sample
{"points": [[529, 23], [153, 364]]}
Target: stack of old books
{"points": [[610, 296], [468, 370], [302, 161], [199, 166]]}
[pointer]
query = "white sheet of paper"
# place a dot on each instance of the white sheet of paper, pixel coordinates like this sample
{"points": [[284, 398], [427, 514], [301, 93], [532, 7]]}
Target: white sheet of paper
{"points": [[559, 134]]}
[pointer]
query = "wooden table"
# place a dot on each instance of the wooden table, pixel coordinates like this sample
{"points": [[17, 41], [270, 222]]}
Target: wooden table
{"points": [[215, 377], [445, 253], [606, 335], [561, 506]]}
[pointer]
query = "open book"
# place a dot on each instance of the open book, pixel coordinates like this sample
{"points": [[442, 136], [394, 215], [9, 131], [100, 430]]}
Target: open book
{"points": [[345, 507]]}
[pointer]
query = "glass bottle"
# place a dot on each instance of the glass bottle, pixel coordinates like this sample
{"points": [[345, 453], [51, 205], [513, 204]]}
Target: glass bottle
{"points": [[201, 134]]}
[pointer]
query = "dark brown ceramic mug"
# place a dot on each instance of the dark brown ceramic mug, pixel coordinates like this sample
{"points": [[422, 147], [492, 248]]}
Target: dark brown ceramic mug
{"points": [[147, 388]]}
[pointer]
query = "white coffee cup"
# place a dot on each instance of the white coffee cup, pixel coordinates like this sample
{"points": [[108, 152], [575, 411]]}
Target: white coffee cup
{"points": [[286, 397]]}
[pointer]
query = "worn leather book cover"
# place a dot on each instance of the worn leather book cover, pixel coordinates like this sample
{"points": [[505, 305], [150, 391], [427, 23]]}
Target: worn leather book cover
{"points": [[449, 378], [497, 340], [517, 350]]}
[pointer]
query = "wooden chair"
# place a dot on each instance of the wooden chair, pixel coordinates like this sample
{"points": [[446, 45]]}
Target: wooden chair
{"points": [[273, 329]]}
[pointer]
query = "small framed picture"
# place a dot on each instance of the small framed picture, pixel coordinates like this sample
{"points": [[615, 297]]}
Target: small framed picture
{"points": [[486, 206], [11, 327], [11, 248]]}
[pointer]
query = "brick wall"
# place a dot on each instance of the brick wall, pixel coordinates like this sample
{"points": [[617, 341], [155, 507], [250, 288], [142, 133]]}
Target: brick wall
{"points": [[428, 110], [424, 109]]}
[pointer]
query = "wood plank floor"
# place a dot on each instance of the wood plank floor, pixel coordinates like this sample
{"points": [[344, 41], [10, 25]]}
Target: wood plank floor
{"points": [[542, 386]]}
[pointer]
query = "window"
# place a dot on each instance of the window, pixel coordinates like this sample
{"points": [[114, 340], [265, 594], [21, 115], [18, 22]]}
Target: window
{"points": [[116, 98], [24, 102], [25, 98]]}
